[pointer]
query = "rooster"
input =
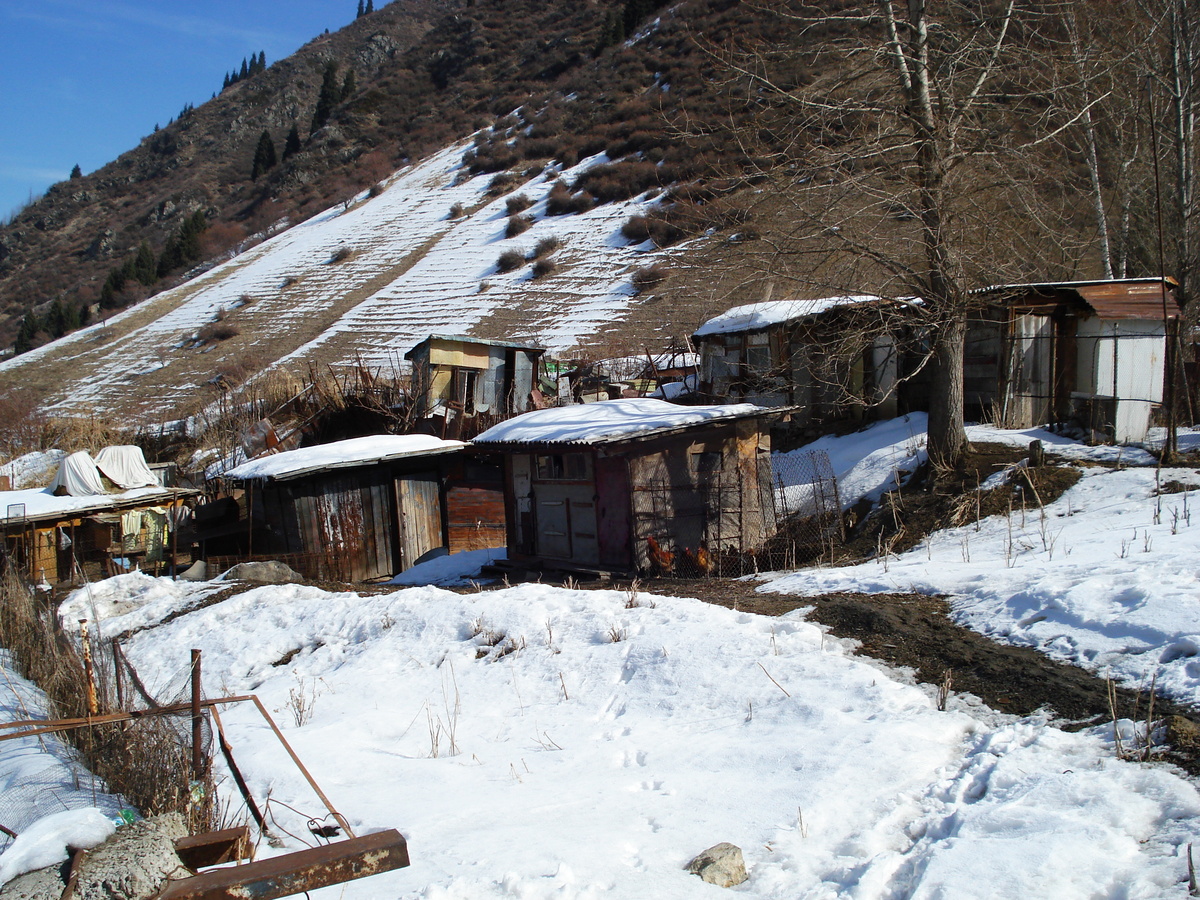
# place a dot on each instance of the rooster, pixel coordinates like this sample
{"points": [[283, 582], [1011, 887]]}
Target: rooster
{"points": [[699, 560], [661, 560]]}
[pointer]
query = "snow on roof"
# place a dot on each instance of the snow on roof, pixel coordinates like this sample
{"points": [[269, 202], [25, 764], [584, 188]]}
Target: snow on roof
{"points": [[42, 503], [755, 316], [343, 454], [591, 423]]}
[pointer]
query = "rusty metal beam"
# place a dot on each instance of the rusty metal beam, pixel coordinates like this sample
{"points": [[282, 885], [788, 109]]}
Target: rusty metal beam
{"points": [[199, 851], [31, 727], [294, 873]]}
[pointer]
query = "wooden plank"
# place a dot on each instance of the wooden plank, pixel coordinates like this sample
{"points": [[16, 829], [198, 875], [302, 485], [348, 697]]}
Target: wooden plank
{"points": [[295, 873]]}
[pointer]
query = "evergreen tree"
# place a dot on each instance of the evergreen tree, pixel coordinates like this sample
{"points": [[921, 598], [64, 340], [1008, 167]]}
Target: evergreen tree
{"points": [[56, 319], [359, 15], [144, 268], [226, 82], [76, 172], [85, 315], [262, 60], [292, 144], [183, 247], [348, 85], [328, 98], [113, 285], [26, 333], [189, 235], [264, 156], [245, 70], [370, 7]]}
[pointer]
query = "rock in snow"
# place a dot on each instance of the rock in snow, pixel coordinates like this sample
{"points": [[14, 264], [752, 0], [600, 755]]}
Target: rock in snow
{"points": [[721, 864]]}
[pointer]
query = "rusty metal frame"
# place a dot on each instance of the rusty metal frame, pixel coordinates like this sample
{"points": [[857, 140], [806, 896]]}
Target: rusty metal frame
{"points": [[294, 873], [30, 728]]}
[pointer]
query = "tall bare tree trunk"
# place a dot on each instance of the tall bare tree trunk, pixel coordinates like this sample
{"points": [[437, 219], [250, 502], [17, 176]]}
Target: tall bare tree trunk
{"points": [[947, 436]]}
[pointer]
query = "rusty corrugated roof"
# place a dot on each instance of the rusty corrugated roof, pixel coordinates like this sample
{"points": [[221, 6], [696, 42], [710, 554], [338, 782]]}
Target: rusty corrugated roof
{"points": [[1130, 299], [1117, 298]]}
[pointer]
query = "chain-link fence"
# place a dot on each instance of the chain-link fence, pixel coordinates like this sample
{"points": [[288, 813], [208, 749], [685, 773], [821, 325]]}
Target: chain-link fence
{"points": [[808, 509]]}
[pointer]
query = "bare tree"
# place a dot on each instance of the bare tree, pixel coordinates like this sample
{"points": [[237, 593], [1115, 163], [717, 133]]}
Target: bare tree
{"points": [[905, 147]]}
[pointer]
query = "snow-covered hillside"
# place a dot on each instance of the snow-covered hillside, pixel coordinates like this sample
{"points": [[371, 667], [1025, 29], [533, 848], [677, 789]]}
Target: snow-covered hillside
{"points": [[360, 282]]}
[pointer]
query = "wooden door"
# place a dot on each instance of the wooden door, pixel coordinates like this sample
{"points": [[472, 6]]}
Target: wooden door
{"points": [[553, 519], [614, 527], [418, 499]]}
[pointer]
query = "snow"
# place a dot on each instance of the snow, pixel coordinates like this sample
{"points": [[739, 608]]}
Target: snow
{"points": [[524, 752], [613, 419], [450, 570], [42, 785], [49, 840], [548, 742], [1105, 579], [355, 451], [756, 316], [40, 502], [673, 389]]}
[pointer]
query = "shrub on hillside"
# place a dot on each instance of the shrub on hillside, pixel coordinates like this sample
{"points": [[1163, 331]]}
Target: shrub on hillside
{"points": [[545, 247], [510, 260], [544, 266], [561, 202], [516, 204], [518, 225], [215, 332], [648, 277]]}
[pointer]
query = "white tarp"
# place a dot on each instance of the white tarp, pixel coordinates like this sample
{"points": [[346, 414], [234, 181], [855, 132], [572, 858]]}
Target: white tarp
{"points": [[78, 476], [126, 467]]}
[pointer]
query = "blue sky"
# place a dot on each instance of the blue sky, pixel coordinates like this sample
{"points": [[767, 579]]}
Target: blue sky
{"points": [[82, 81]]}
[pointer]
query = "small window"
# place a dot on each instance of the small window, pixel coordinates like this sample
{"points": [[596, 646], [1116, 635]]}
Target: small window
{"points": [[564, 467], [705, 463]]}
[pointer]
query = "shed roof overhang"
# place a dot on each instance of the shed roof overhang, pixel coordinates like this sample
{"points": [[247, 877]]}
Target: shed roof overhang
{"points": [[1110, 299]]}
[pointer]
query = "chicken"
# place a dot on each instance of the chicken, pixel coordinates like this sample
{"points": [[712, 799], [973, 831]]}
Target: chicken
{"points": [[661, 560], [699, 561]]}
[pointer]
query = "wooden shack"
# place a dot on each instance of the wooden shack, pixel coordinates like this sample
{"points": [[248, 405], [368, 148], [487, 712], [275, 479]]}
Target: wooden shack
{"points": [[799, 353], [635, 485], [87, 524], [354, 510], [462, 385], [1084, 352]]}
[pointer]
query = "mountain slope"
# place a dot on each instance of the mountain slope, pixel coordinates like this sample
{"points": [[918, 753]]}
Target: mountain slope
{"points": [[410, 268]]}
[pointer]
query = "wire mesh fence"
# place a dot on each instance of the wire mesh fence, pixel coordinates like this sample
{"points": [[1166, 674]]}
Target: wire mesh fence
{"points": [[786, 514], [808, 509]]}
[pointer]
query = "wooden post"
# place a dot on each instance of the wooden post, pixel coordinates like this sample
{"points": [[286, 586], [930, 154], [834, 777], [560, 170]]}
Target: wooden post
{"points": [[93, 704], [197, 721], [1037, 455], [117, 675]]}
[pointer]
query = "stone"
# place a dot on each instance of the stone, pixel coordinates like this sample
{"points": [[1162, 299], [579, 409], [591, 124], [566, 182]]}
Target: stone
{"points": [[197, 571], [133, 864], [721, 864], [272, 572]]}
